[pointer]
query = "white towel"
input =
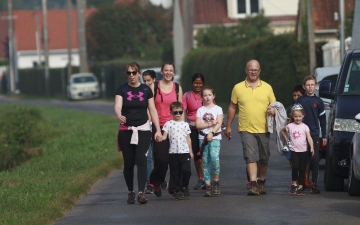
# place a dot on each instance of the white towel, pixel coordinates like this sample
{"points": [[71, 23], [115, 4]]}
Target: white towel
{"points": [[135, 136]]}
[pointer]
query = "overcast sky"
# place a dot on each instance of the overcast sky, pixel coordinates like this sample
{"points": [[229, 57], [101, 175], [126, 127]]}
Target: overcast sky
{"points": [[165, 3]]}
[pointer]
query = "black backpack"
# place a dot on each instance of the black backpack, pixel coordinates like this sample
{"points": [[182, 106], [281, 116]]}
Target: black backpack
{"points": [[156, 90]]}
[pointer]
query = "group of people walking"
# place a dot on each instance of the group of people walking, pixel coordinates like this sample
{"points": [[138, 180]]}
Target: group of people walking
{"points": [[160, 124]]}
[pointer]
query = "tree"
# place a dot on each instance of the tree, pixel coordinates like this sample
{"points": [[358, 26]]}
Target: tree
{"points": [[250, 28], [118, 30]]}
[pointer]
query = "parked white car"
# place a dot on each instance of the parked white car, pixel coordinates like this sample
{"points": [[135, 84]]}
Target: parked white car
{"points": [[354, 170], [83, 86]]}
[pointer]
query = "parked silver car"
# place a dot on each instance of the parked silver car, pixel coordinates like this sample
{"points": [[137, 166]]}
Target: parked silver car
{"points": [[83, 86], [354, 170]]}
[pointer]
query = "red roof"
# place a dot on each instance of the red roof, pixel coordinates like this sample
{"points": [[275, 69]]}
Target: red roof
{"points": [[211, 11], [25, 28], [324, 10]]}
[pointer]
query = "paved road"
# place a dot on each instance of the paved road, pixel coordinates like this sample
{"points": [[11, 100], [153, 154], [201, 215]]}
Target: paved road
{"points": [[106, 203]]}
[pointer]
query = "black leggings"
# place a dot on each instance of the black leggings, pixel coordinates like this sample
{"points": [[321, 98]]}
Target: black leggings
{"points": [[161, 159], [299, 161], [314, 160], [134, 154]]}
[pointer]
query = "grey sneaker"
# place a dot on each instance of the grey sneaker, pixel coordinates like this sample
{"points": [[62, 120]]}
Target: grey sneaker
{"points": [[200, 185], [261, 186], [254, 190], [141, 198], [186, 193], [179, 195], [208, 191], [293, 189], [216, 188], [131, 198]]}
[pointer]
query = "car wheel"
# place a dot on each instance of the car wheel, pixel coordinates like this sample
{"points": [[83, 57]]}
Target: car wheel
{"points": [[353, 184], [332, 182]]}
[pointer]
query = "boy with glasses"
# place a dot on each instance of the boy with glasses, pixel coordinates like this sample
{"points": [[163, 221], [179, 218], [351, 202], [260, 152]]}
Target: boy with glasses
{"points": [[180, 150]]}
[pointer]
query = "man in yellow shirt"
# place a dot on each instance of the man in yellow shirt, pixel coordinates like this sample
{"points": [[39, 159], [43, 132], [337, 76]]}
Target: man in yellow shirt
{"points": [[252, 97]]}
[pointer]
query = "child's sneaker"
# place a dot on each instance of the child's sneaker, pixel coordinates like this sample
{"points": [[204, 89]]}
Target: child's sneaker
{"points": [[200, 185], [307, 183], [131, 198], [216, 188], [293, 189], [149, 189], [208, 191], [141, 198], [157, 190], [164, 185], [179, 195], [300, 192], [314, 189], [186, 193]]}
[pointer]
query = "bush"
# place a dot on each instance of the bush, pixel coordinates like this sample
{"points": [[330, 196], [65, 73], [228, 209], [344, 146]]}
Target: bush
{"points": [[20, 133]]}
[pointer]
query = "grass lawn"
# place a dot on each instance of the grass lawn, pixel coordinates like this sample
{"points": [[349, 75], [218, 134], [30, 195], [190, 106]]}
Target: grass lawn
{"points": [[80, 148]]}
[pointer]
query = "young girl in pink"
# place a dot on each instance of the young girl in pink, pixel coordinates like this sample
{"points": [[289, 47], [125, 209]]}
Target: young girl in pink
{"points": [[297, 134]]}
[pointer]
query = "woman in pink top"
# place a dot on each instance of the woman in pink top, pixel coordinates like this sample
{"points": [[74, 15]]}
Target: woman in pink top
{"points": [[192, 101], [165, 94]]}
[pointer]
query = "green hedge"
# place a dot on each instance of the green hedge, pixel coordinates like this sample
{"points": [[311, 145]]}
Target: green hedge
{"points": [[284, 63]]}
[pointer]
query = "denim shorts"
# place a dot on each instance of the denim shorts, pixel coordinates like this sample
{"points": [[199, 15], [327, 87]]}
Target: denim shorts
{"points": [[255, 146]]}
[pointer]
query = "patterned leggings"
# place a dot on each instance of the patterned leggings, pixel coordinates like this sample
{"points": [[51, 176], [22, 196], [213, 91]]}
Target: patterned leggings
{"points": [[211, 155]]}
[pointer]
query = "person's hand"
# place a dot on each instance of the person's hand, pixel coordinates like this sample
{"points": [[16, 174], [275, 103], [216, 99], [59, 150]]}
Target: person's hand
{"points": [[227, 132], [324, 142], [213, 122], [158, 136], [209, 137], [122, 119], [191, 155], [312, 152], [270, 111]]}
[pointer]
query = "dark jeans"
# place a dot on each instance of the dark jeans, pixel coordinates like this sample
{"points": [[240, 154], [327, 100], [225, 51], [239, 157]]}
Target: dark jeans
{"points": [[180, 170], [299, 161], [134, 154], [314, 160]]}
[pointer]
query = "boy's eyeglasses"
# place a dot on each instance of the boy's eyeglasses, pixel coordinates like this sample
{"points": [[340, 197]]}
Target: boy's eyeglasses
{"points": [[131, 72], [177, 112]]}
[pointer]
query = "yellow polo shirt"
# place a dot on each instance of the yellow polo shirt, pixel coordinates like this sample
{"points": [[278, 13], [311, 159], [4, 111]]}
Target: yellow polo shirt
{"points": [[252, 105]]}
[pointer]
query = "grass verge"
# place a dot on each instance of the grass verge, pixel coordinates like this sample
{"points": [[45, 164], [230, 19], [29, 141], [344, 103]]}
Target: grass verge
{"points": [[79, 150]]}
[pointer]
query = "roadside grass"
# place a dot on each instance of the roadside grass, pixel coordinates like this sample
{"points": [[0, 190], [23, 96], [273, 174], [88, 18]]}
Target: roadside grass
{"points": [[80, 148]]}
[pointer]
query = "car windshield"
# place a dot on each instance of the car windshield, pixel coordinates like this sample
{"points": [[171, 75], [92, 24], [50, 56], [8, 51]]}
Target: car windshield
{"points": [[86, 79], [352, 83]]}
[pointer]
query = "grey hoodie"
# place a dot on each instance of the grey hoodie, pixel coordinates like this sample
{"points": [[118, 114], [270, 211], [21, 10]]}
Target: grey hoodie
{"points": [[275, 124]]}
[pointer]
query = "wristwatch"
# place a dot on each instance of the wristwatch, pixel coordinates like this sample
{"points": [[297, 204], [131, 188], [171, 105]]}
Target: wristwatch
{"points": [[213, 132]]}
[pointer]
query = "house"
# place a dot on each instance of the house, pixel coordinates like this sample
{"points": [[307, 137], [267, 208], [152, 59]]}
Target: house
{"points": [[29, 47], [281, 13]]}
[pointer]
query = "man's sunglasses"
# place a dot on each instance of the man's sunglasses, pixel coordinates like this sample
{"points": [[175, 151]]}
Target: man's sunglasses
{"points": [[131, 72], [177, 112]]}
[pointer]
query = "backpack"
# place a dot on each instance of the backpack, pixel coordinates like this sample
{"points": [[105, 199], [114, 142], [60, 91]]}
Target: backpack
{"points": [[156, 89]]}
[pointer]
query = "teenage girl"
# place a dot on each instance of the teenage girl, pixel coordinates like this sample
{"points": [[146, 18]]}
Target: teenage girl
{"points": [[208, 120], [192, 101], [149, 77], [299, 137]]}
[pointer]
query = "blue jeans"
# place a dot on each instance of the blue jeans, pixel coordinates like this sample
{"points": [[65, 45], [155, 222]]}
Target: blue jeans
{"points": [[150, 159]]}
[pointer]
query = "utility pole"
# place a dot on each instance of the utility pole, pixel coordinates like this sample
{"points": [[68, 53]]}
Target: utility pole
{"points": [[311, 36], [46, 47], [69, 69], [188, 21], [37, 36], [302, 13], [342, 30], [81, 16], [11, 47]]}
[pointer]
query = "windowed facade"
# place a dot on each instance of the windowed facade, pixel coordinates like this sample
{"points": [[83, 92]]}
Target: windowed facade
{"points": [[242, 8]]}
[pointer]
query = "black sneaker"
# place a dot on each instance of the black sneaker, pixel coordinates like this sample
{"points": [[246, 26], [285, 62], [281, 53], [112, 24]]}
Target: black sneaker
{"points": [[131, 198], [141, 198], [179, 195], [301, 192], [164, 185], [186, 193], [208, 191], [149, 189], [200, 185], [293, 189], [157, 190], [314, 189], [216, 188]]}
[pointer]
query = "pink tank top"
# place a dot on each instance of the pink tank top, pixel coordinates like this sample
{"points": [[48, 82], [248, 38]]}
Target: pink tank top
{"points": [[162, 103]]}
